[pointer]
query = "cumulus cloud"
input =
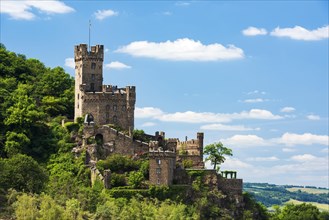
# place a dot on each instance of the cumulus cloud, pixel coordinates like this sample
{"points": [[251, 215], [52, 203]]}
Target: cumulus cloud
{"points": [[147, 112], [21, 10], [182, 3], [245, 141], [291, 139], [263, 159], [148, 124], [313, 117], [117, 65], [253, 31], [303, 158], [222, 127], [69, 62], [287, 109], [287, 139], [257, 100], [203, 117], [233, 164], [256, 92], [102, 14], [300, 33], [167, 13], [287, 149], [182, 50]]}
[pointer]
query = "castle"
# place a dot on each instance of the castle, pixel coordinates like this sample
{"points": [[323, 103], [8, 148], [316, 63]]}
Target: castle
{"points": [[108, 113]]}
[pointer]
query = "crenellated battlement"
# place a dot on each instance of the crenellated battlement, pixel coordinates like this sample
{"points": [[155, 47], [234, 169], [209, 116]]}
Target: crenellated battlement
{"points": [[81, 52]]}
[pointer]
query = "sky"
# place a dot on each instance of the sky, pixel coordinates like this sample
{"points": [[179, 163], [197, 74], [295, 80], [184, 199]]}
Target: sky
{"points": [[250, 74]]}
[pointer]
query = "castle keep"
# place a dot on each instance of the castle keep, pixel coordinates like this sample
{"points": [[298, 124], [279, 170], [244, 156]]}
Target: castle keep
{"points": [[107, 104]]}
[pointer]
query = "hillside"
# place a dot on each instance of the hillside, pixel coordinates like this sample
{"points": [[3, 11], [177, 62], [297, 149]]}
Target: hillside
{"points": [[40, 177], [271, 194]]}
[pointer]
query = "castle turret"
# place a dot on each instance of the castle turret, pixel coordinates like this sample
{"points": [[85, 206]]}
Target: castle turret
{"points": [[200, 137]]}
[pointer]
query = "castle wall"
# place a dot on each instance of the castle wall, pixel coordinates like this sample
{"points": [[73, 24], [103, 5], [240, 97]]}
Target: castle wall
{"points": [[118, 142], [196, 159], [230, 186]]}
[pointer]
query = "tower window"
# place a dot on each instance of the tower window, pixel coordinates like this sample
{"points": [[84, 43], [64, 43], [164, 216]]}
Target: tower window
{"points": [[158, 170], [92, 86], [93, 66], [108, 108], [158, 161], [115, 119], [92, 76], [115, 107], [124, 108]]}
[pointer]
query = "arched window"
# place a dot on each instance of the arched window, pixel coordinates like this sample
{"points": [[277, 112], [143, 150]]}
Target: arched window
{"points": [[115, 119], [108, 108], [115, 107]]}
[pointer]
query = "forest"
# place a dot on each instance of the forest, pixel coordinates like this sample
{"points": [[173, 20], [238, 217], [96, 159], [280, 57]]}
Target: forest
{"points": [[271, 194], [41, 179]]}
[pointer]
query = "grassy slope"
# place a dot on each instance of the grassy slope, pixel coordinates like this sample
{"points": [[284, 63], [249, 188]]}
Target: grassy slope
{"points": [[308, 190], [321, 207]]}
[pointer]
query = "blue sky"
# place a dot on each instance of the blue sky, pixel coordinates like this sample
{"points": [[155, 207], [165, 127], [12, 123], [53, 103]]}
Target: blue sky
{"points": [[251, 74]]}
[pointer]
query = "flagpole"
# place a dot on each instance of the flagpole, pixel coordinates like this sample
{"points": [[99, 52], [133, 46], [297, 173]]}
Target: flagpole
{"points": [[89, 33]]}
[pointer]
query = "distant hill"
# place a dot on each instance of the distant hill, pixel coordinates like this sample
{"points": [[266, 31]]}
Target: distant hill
{"points": [[271, 194]]}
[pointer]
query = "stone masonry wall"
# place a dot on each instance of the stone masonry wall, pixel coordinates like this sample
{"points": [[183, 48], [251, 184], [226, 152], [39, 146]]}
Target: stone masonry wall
{"points": [[162, 165], [230, 186], [120, 142]]}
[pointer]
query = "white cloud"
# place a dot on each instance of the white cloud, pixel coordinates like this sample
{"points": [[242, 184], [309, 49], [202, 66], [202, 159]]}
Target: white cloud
{"points": [[286, 149], [300, 33], [69, 62], [117, 65], [234, 164], [255, 92], [288, 109], [303, 158], [204, 117], [106, 50], [253, 31], [182, 50], [147, 112], [291, 139], [262, 159], [257, 100], [148, 124], [313, 117], [102, 14], [245, 141], [167, 13], [288, 139], [21, 10], [182, 4], [222, 127]]}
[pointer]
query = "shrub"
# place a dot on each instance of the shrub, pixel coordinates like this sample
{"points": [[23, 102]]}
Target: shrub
{"points": [[118, 180], [72, 126], [135, 179]]}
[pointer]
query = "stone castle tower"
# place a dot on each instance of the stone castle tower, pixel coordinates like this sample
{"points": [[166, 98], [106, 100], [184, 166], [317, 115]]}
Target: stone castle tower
{"points": [[108, 104]]}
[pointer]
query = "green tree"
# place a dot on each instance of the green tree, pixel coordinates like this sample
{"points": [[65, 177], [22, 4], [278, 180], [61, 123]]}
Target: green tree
{"points": [[216, 153], [302, 211], [26, 207], [22, 173]]}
